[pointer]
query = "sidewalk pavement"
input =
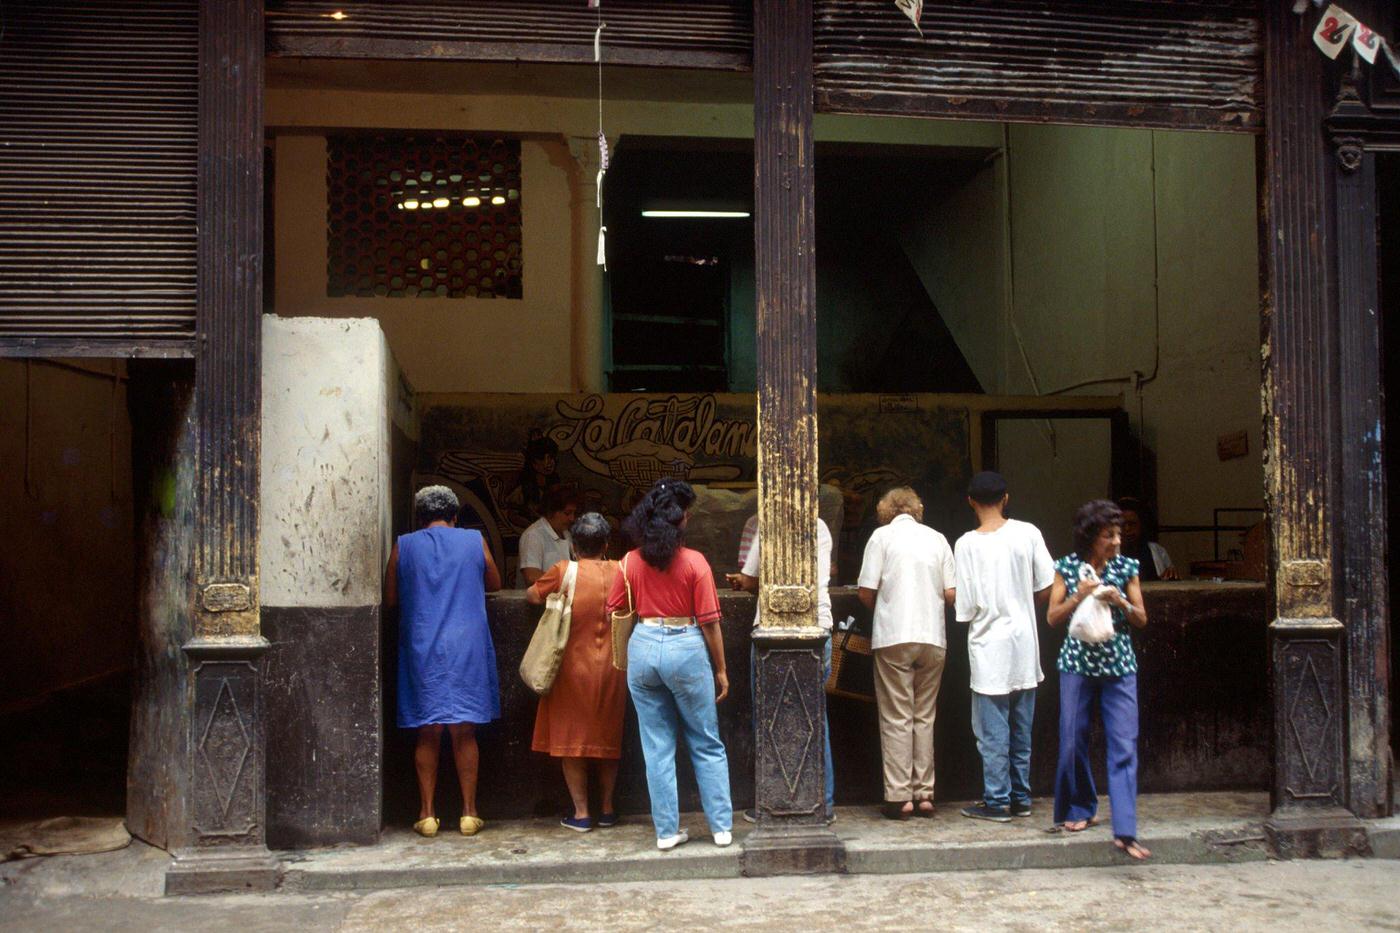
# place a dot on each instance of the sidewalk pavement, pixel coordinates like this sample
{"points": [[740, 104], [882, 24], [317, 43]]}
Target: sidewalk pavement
{"points": [[1179, 828]]}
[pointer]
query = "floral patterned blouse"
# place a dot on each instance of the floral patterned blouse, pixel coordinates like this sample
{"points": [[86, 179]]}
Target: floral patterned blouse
{"points": [[1112, 658]]}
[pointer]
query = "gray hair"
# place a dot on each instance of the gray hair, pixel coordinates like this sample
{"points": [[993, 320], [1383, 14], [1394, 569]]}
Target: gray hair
{"points": [[590, 532], [435, 504]]}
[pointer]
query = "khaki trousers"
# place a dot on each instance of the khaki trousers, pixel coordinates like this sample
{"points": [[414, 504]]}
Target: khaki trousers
{"points": [[907, 678]]}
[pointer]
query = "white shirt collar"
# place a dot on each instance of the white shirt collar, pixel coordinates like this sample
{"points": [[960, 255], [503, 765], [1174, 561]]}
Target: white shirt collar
{"points": [[901, 517]]}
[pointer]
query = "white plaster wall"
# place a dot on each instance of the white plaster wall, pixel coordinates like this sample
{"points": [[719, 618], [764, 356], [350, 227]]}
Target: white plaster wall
{"points": [[325, 461]]}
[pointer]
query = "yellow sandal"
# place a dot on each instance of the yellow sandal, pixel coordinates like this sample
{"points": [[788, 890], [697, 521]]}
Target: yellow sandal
{"points": [[428, 826], [471, 825]]}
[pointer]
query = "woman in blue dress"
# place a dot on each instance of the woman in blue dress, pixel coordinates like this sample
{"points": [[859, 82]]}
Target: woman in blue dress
{"points": [[1104, 673], [439, 577]]}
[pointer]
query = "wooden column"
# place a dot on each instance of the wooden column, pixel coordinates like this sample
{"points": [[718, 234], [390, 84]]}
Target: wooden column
{"points": [[1301, 376], [789, 700], [227, 793]]}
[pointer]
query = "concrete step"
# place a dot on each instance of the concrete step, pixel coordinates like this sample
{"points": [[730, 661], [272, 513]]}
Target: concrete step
{"points": [[1179, 828]]}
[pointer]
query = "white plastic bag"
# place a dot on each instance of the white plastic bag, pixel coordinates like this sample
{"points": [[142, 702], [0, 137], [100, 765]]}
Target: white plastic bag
{"points": [[1092, 621]]}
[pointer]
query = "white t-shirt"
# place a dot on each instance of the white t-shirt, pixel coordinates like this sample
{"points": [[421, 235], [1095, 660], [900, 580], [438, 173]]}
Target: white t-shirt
{"points": [[909, 565], [540, 549], [750, 569], [999, 574]]}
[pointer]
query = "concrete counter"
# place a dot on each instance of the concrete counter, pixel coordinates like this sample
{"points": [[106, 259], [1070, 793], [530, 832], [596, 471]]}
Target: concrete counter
{"points": [[1202, 689], [1203, 695]]}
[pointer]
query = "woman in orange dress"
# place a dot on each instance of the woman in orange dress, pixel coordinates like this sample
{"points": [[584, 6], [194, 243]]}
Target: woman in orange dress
{"points": [[580, 719]]}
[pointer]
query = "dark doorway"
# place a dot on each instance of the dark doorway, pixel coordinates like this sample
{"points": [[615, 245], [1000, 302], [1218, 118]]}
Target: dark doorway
{"points": [[67, 587], [1388, 209]]}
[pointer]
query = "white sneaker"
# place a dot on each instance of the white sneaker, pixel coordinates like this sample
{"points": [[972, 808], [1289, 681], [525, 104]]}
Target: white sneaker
{"points": [[723, 839], [670, 842]]}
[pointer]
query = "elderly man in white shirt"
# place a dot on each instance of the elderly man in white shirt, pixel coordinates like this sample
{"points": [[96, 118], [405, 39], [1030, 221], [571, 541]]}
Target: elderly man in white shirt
{"points": [[547, 541], [907, 579]]}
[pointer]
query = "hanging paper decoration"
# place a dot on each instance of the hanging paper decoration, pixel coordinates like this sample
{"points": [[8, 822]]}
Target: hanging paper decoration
{"points": [[912, 9], [1337, 29], [1366, 43], [1333, 31]]}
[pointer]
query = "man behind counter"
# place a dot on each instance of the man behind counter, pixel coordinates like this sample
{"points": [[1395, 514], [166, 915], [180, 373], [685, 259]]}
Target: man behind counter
{"points": [[547, 541]]}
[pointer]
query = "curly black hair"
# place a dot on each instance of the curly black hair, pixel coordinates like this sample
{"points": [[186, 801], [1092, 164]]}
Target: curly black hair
{"points": [[655, 523], [1091, 518]]}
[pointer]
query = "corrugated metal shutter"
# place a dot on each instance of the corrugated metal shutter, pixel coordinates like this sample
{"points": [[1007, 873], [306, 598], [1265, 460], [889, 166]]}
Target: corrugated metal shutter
{"points": [[98, 154], [678, 33], [1170, 63]]}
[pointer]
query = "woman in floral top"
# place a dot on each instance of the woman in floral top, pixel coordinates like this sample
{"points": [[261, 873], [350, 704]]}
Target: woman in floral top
{"points": [[1105, 672]]}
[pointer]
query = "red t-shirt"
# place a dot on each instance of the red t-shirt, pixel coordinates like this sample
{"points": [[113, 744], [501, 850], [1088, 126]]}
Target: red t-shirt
{"points": [[686, 588]]}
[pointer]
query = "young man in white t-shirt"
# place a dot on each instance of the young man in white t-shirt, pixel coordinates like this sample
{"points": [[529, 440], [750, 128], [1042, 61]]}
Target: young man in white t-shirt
{"points": [[1004, 569]]}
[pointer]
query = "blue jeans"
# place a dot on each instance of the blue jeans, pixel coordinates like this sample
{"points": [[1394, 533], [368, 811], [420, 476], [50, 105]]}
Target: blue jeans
{"points": [[826, 734], [673, 688], [1075, 796], [1002, 725]]}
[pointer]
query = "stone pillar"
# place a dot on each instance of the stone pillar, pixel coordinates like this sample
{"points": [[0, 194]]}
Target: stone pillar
{"points": [[789, 701], [1307, 636], [587, 312], [227, 797]]}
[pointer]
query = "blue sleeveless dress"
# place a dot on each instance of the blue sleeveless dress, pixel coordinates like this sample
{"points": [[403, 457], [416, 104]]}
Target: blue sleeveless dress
{"points": [[447, 662]]}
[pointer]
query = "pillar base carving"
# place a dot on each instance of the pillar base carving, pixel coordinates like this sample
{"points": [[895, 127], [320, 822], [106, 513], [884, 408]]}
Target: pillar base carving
{"points": [[790, 769], [226, 805]]}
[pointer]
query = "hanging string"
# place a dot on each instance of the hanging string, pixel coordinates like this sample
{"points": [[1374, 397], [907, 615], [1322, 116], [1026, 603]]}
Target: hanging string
{"points": [[602, 137]]}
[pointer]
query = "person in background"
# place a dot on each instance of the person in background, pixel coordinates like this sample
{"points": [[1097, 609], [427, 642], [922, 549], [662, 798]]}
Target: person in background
{"points": [[746, 539], [747, 579], [1105, 673], [538, 475], [1004, 569], [547, 541], [907, 579], [675, 660], [439, 577], [580, 719], [1138, 527]]}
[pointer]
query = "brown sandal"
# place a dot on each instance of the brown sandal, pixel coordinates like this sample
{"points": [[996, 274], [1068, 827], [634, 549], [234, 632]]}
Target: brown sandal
{"points": [[1132, 848], [894, 810]]}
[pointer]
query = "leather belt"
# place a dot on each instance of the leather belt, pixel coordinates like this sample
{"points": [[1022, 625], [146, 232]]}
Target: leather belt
{"points": [[668, 621]]}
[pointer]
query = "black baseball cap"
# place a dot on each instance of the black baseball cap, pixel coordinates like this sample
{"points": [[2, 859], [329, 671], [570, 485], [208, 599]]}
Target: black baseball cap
{"points": [[987, 488]]}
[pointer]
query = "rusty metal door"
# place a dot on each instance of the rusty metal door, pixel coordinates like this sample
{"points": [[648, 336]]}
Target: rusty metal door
{"points": [[98, 150], [1177, 64], [714, 34]]}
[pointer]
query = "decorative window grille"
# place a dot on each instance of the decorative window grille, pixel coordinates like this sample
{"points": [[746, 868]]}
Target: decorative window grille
{"points": [[423, 216]]}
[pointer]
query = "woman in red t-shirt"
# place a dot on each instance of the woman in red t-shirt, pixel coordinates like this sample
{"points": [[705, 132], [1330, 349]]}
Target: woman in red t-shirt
{"points": [[675, 660]]}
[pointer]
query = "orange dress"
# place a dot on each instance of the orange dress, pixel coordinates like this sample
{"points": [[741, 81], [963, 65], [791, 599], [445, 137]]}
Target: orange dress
{"points": [[581, 716]]}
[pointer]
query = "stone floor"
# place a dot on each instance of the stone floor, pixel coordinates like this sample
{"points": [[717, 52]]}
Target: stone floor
{"points": [[120, 891], [1180, 828]]}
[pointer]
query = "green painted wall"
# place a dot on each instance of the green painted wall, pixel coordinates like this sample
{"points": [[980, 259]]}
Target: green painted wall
{"points": [[1060, 263]]}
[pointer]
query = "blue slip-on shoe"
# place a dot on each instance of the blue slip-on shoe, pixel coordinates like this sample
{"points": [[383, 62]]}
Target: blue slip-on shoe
{"points": [[980, 811], [577, 824], [606, 820]]}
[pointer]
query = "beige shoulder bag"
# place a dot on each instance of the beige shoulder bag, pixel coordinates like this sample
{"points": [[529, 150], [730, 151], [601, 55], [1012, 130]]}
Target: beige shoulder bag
{"points": [[545, 655], [623, 623]]}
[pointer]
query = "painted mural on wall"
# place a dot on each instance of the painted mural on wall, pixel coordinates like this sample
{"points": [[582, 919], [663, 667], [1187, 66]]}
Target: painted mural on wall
{"points": [[502, 453]]}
